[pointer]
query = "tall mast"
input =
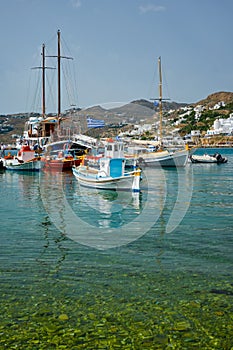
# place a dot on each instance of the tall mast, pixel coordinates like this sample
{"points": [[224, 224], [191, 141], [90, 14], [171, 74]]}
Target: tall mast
{"points": [[160, 99], [59, 74], [43, 68], [160, 102], [58, 56], [43, 80]]}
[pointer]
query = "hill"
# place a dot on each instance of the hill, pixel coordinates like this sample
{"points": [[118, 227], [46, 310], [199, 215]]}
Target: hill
{"points": [[135, 112], [216, 97]]}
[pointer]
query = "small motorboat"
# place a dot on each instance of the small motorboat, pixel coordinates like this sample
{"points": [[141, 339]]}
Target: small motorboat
{"points": [[208, 158]]}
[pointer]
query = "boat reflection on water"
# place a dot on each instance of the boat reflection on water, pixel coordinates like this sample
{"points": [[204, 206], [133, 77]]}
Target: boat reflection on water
{"points": [[25, 182], [105, 219], [108, 201], [107, 208], [101, 219]]}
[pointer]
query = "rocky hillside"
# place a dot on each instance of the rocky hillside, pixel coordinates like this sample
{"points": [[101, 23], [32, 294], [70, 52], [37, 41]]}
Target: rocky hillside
{"points": [[138, 111], [216, 97]]}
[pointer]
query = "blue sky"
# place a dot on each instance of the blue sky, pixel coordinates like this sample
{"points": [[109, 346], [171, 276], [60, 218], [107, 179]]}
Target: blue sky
{"points": [[115, 45]]}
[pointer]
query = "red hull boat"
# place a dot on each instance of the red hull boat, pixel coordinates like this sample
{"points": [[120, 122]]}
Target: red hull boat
{"points": [[59, 164]]}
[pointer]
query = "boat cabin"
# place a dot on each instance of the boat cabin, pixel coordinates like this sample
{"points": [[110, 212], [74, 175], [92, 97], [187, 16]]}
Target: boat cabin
{"points": [[113, 162], [114, 149], [25, 154]]}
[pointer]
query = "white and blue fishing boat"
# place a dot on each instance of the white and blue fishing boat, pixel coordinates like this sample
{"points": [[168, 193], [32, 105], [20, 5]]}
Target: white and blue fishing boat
{"points": [[110, 174]]}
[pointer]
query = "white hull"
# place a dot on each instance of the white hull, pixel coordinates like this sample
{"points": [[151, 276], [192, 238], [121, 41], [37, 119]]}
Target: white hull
{"points": [[32, 165], [164, 159], [206, 158], [92, 180]]}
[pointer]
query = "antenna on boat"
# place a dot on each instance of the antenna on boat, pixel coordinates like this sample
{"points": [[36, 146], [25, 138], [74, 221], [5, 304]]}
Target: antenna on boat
{"points": [[160, 99]]}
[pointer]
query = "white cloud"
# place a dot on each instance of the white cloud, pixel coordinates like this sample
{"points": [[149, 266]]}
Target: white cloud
{"points": [[151, 8], [76, 3]]}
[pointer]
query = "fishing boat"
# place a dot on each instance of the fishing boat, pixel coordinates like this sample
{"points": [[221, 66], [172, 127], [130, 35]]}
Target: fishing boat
{"points": [[111, 174], [62, 155], [161, 157], [25, 160], [208, 158]]}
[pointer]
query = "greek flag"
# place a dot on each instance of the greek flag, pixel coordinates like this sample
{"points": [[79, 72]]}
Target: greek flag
{"points": [[95, 123]]}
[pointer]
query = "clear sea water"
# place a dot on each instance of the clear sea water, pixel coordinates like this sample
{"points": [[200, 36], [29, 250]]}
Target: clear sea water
{"points": [[82, 269]]}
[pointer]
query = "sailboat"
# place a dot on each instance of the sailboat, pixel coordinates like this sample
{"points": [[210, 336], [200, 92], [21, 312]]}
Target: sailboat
{"points": [[161, 157], [61, 154]]}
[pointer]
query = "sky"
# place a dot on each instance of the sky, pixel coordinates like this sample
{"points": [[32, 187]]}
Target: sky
{"points": [[115, 45]]}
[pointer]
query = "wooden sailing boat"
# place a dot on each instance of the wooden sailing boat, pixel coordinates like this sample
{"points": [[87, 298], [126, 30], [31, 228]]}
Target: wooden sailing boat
{"points": [[162, 157], [59, 153], [62, 154]]}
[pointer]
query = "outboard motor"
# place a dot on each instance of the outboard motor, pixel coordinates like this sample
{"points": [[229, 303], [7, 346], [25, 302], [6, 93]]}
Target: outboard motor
{"points": [[1, 165], [218, 157]]}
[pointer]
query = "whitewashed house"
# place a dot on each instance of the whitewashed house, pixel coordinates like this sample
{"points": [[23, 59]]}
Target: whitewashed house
{"points": [[218, 105], [195, 133], [221, 126]]}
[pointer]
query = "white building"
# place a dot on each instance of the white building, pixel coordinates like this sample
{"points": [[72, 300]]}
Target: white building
{"points": [[218, 105], [221, 126], [199, 108], [195, 133]]}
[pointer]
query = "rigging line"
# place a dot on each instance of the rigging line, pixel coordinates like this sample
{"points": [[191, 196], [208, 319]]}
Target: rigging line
{"points": [[51, 43], [64, 45], [51, 100], [68, 86], [36, 96], [71, 74], [66, 83], [28, 92], [74, 74], [74, 84], [152, 83], [32, 81], [166, 83]]}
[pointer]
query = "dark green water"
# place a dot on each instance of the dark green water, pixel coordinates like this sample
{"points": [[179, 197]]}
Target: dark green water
{"points": [[168, 285]]}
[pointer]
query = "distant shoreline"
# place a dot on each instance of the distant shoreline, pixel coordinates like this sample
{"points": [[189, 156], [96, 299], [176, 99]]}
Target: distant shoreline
{"points": [[13, 147]]}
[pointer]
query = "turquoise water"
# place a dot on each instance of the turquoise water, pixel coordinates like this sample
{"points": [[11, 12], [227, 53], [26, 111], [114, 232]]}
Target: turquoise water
{"points": [[82, 269]]}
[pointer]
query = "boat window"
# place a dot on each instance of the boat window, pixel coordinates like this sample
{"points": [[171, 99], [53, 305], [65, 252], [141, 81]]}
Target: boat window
{"points": [[109, 147]]}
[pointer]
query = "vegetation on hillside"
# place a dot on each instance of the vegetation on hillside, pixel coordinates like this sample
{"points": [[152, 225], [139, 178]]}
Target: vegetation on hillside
{"points": [[206, 120], [125, 117]]}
